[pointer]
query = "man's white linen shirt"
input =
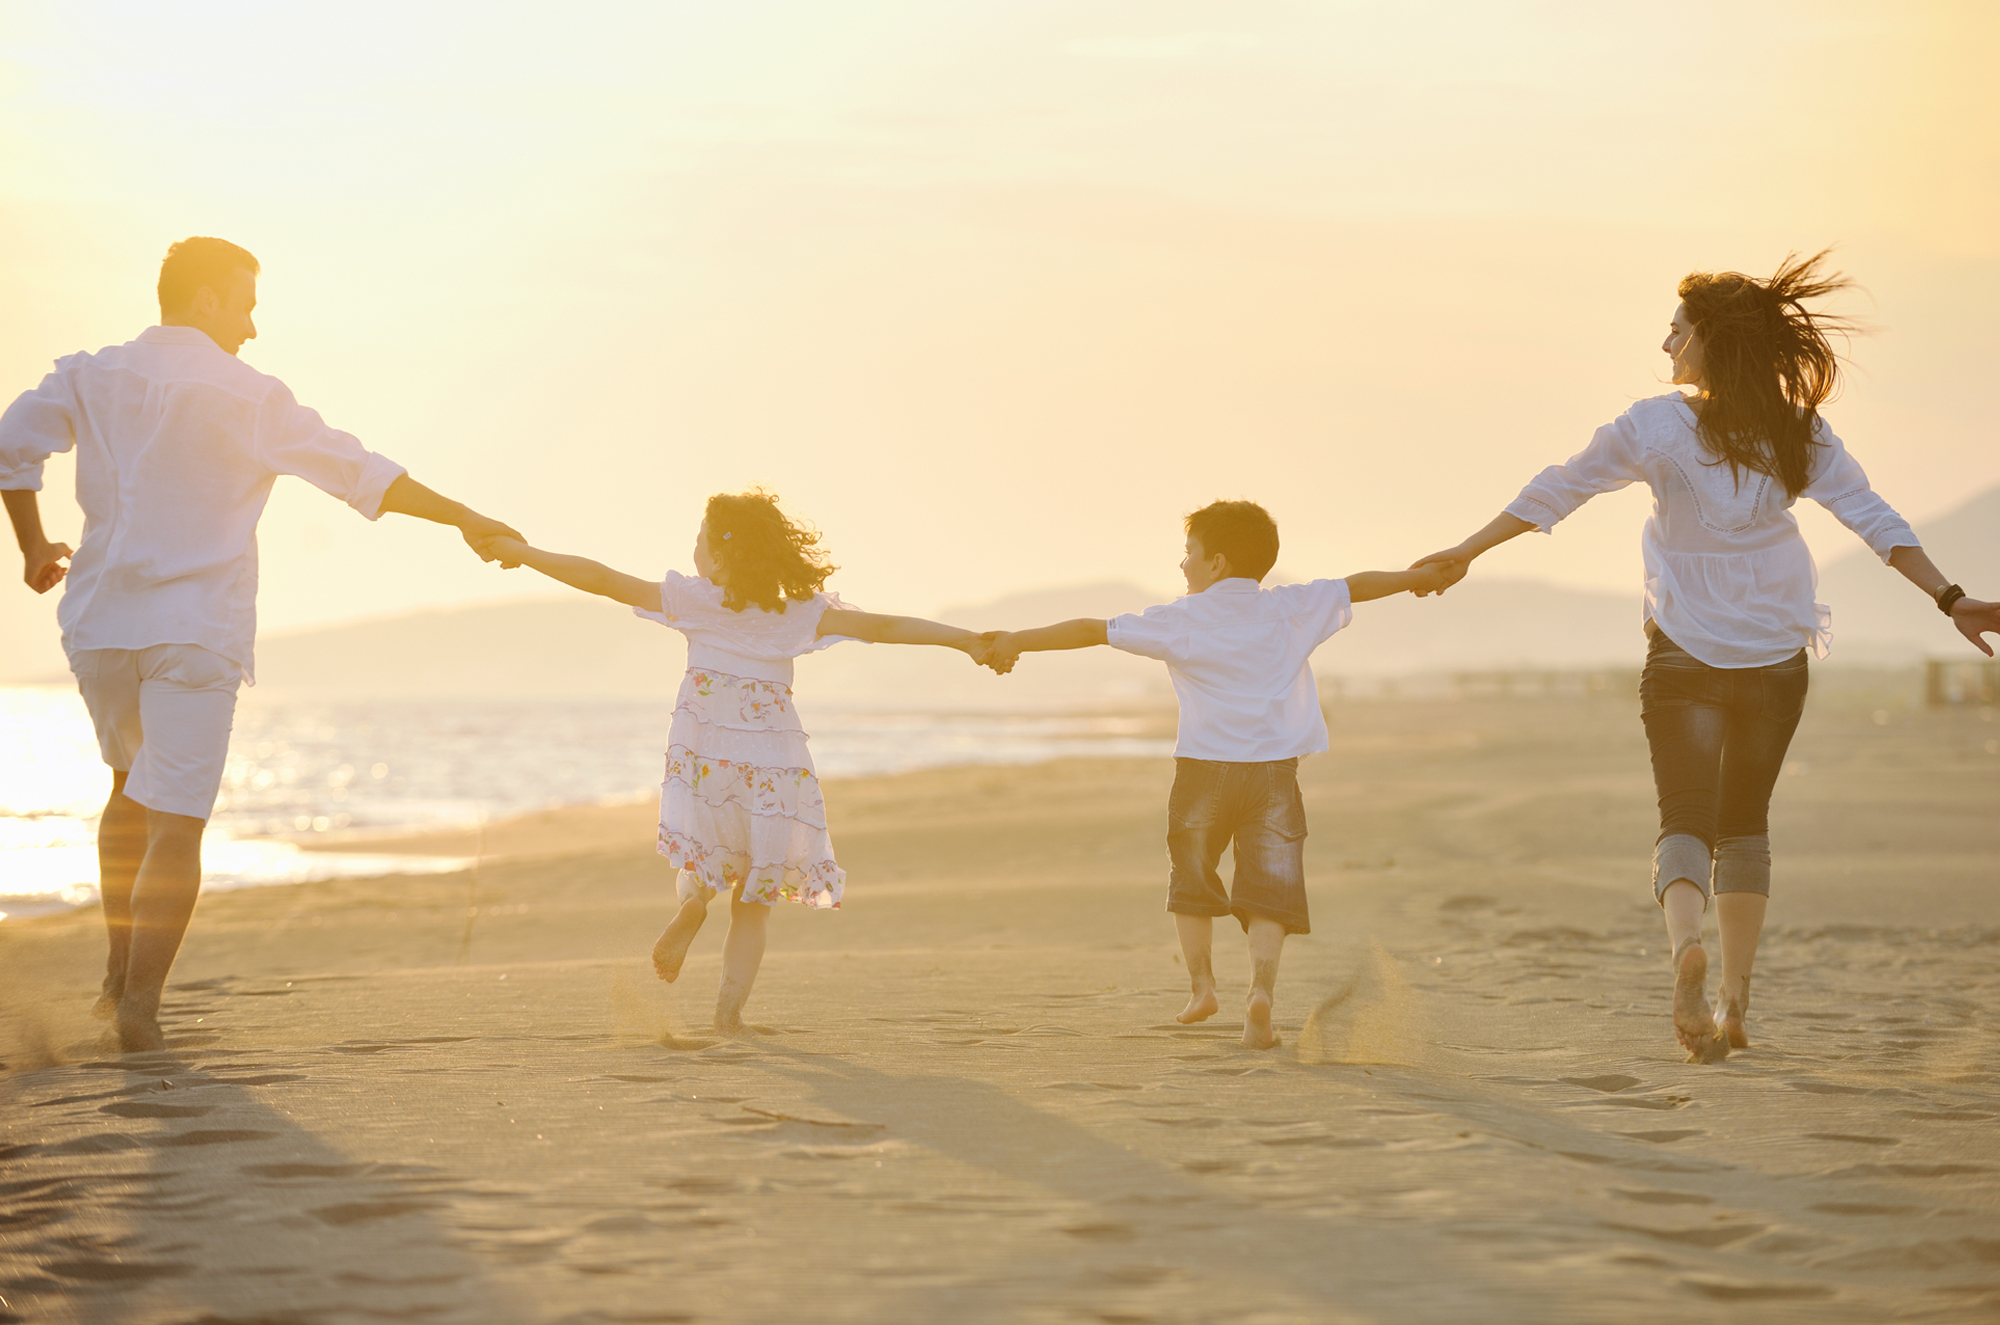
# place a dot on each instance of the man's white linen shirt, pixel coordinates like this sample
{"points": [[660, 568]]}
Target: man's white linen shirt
{"points": [[1728, 577], [178, 443], [1238, 655]]}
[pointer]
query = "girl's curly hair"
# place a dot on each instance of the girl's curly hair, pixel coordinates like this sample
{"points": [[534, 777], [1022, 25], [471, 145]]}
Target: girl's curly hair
{"points": [[1768, 363], [765, 557]]}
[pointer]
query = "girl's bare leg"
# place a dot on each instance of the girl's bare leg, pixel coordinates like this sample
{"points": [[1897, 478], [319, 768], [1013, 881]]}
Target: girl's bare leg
{"points": [[672, 949], [1740, 916], [1694, 1021], [1197, 950], [742, 954]]}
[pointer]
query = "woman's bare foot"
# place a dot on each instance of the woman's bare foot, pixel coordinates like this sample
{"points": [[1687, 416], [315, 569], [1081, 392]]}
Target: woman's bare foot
{"points": [[1258, 1033], [138, 1033], [1694, 1022], [106, 1006], [1734, 1010], [672, 949], [1201, 1006]]}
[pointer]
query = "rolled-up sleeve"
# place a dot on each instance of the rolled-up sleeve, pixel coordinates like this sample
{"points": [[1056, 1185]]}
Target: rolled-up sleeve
{"points": [[292, 439], [1611, 461], [1842, 487], [39, 424], [1156, 632]]}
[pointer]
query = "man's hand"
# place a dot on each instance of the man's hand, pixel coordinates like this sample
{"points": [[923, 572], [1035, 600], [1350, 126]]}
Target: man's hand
{"points": [[1975, 618], [481, 531], [1451, 564], [507, 549], [43, 567]]}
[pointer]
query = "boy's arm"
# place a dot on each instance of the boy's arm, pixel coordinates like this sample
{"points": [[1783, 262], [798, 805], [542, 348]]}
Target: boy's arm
{"points": [[878, 629], [577, 572], [1009, 645], [1428, 578]]}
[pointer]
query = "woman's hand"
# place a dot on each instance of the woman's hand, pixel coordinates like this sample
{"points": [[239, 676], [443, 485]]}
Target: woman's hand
{"points": [[1975, 618], [1450, 564]]}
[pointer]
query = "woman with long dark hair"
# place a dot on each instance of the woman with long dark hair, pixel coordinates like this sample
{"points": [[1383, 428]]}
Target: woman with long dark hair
{"points": [[1729, 611]]}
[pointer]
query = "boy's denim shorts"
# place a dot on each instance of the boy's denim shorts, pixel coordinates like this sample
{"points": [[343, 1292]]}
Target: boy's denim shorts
{"points": [[1256, 806]]}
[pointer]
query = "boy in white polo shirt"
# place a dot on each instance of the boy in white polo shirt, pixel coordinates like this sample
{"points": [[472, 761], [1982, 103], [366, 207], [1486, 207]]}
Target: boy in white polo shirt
{"points": [[1238, 655]]}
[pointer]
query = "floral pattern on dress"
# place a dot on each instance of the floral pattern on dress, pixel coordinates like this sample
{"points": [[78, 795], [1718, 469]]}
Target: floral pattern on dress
{"points": [[817, 884], [791, 792], [723, 700]]}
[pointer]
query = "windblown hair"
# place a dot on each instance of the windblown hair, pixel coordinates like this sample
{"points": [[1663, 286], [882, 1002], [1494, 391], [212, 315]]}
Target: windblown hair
{"points": [[1242, 531], [197, 262], [765, 556], [1768, 364]]}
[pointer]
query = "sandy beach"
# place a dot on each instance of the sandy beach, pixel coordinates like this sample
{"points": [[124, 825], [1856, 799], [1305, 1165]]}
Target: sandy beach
{"points": [[465, 1098]]}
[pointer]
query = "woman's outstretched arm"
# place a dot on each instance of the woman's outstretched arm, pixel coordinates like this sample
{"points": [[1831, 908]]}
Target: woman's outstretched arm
{"points": [[1455, 561], [577, 572], [1972, 616]]}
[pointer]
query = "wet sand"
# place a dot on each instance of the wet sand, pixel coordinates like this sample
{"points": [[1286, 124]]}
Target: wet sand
{"points": [[464, 1098]]}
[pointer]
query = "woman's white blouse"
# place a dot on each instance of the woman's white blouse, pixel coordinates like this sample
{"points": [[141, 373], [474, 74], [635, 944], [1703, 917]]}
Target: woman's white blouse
{"points": [[1728, 577]]}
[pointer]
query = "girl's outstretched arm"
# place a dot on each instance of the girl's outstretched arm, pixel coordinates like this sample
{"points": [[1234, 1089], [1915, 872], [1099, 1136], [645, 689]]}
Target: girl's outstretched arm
{"points": [[879, 629], [577, 572]]}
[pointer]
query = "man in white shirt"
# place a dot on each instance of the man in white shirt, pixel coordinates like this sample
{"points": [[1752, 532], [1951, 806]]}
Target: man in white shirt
{"points": [[178, 443], [1238, 655]]}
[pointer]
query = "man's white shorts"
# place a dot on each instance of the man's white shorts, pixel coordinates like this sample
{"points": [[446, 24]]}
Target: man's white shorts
{"points": [[162, 716]]}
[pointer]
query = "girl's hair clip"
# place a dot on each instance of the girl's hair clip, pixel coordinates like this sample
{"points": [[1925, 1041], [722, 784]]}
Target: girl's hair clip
{"points": [[725, 536]]}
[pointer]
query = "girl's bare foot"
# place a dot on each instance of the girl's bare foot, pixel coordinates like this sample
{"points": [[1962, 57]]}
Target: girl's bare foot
{"points": [[1258, 1033], [1201, 1006], [1694, 1022], [672, 949]]}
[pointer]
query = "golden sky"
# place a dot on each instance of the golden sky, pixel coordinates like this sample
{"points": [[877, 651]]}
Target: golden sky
{"points": [[995, 292]]}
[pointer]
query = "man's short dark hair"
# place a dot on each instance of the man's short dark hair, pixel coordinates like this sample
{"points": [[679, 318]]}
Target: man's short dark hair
{"points": [[197, 262], [1242, 531]]}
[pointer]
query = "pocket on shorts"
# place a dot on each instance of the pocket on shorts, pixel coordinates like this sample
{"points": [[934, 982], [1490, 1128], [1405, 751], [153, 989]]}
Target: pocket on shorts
{"points": [[192, 667], [1196, 798], [1284, 808]]}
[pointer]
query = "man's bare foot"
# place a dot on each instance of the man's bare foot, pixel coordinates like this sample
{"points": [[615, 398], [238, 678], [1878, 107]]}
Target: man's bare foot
{"points": [[1258, 1033], [672, 949], [106, 1006], [137, 1032], [1201, 1006], [1694, 1022]]}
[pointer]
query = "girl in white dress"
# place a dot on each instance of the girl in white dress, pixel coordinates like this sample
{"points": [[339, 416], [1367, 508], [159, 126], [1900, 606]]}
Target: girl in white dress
{"points": [[1730, 611], [740, 806]]}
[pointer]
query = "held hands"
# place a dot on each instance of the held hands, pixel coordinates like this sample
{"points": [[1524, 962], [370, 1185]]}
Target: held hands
{"points": [[481, 532], [505, 548], [988, 651], [43, 567], [1451, 565]]}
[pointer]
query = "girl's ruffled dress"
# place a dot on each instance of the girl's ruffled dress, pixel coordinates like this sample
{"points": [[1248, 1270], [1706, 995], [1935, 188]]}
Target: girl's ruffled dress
{"points": [[740, 803]]}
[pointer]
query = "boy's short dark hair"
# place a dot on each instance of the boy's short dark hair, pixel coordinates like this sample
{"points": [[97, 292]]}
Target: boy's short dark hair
{"points": [[197, 262], [1242, 531]]}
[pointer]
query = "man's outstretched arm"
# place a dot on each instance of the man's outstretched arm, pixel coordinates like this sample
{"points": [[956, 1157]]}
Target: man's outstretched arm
{"points": [[406, 496], [43, 569]]}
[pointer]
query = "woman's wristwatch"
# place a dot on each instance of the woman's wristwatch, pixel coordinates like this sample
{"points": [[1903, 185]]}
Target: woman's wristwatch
{"points": [[1947, 596]]}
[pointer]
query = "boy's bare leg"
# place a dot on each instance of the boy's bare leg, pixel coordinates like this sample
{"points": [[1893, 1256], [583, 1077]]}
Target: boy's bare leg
{"points": [[1197, 950], [1740, 917], [1267, 944], [162, 901], [742, 954], [1694, 1021], [672, 948], [121, 845]]}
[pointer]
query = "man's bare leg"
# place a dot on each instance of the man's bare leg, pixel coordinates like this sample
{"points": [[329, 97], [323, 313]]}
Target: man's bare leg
{"points": [[1694, 1022], [1740, 917], [1198, 951], [1267, 944], [742, 954], [672, 949], [163, 898], [121, 845]]}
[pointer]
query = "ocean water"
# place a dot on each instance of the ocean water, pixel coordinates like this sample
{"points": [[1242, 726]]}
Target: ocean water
{"points": [[301, 769]]}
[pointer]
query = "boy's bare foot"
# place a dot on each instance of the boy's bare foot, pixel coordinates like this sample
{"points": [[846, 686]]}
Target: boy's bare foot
{"points": [[1258, 1033], [138, 1033], [672, 949], [1694, 1022], [1201, 1006]]}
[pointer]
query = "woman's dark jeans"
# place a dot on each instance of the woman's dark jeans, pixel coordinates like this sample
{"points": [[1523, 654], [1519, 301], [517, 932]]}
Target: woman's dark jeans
{"points": [[1719, 736]]}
